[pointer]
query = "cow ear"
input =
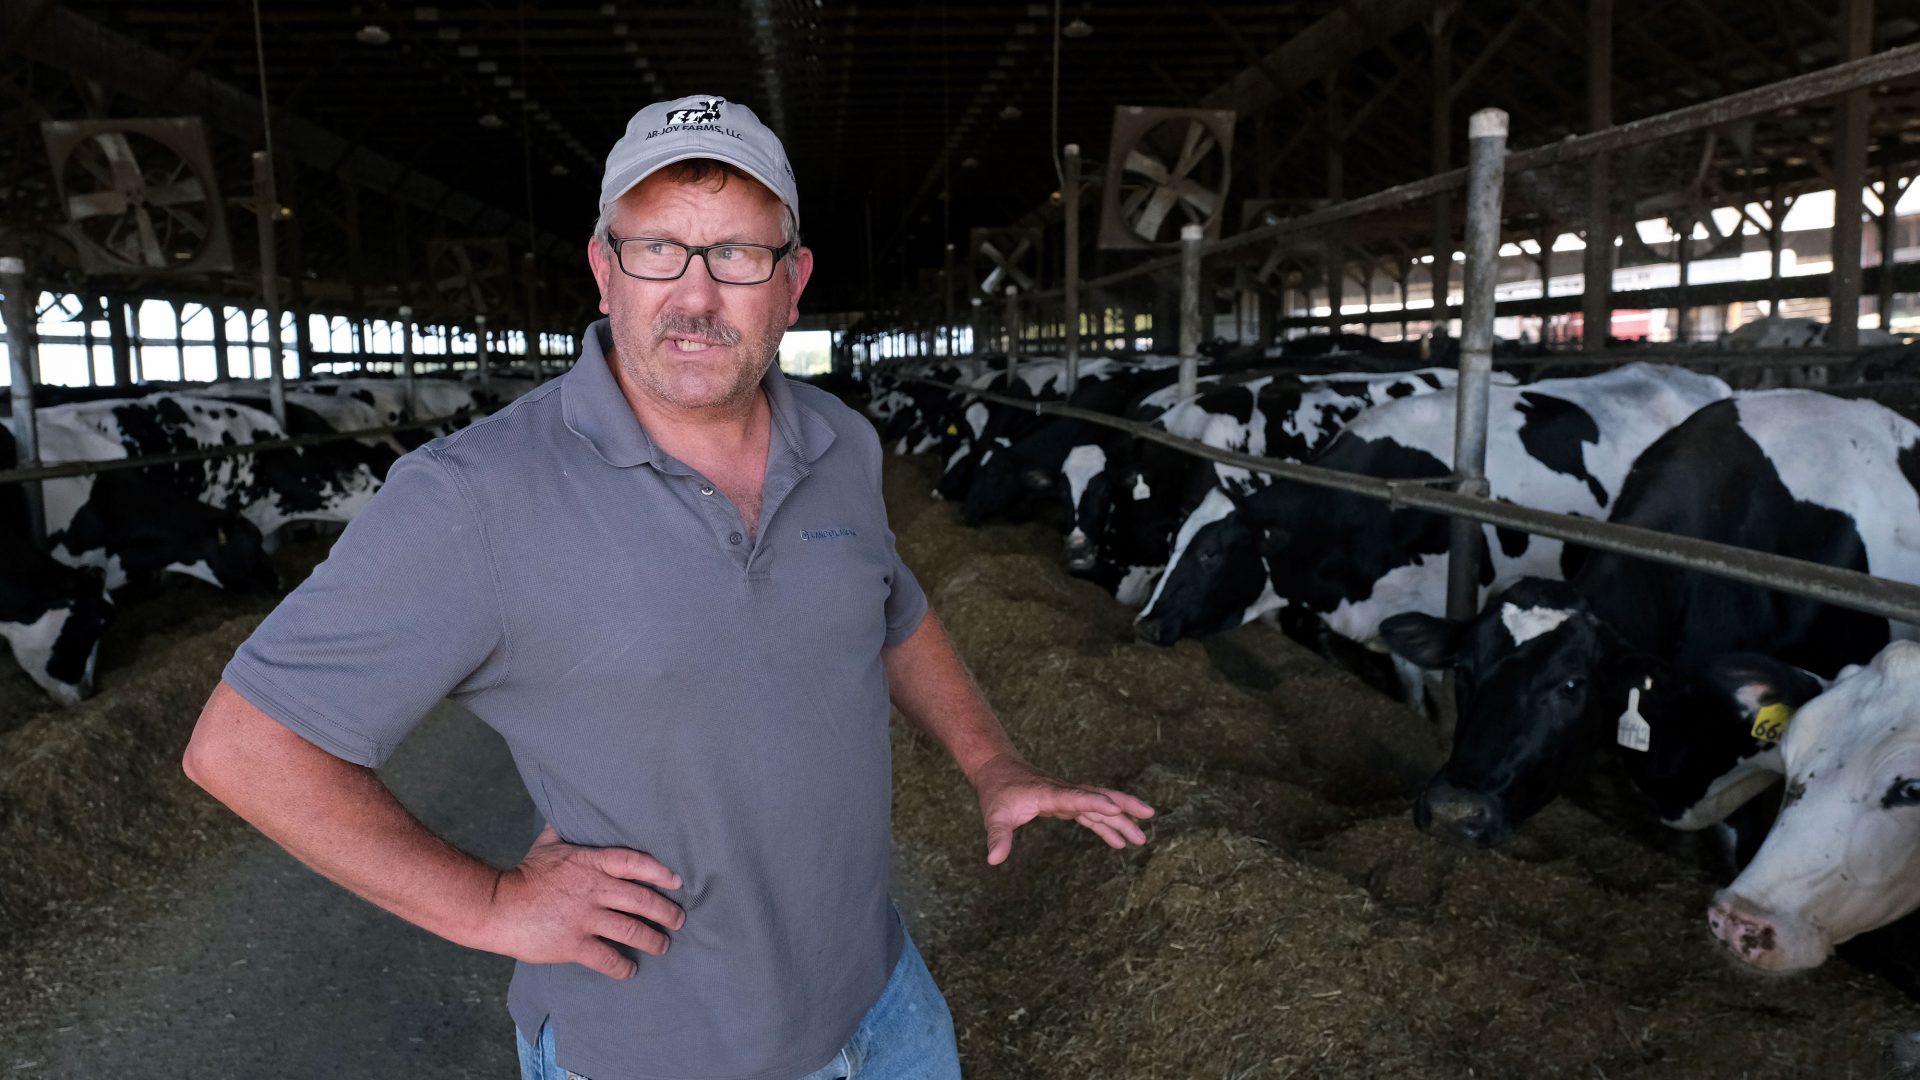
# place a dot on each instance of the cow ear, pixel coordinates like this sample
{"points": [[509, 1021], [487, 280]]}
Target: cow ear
{"points": [[1751, 681], [1423, 639]]}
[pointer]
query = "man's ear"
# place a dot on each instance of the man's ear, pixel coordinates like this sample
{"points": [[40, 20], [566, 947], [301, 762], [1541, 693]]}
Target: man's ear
{"points": [[1426, 640], [1752, 681], [803, 271], [600, 260]]}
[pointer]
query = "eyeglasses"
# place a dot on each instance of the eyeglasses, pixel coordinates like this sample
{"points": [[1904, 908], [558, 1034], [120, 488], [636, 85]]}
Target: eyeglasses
{"points": [[650, 258]]}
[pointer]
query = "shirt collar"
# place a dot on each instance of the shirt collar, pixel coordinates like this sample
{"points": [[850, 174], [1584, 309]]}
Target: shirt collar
{"points": [[597, 412]]}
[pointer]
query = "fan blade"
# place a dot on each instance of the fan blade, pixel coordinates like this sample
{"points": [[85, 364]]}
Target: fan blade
{"points": [[184, 191], [1150, 167], [95, 204], [150, 253]]}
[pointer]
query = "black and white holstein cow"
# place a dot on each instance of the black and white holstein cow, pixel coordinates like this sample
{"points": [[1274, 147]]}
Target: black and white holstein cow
{"points": [[1843, 857], [1557, 444], [1622, 653], [51, 615], [1127, 505]]}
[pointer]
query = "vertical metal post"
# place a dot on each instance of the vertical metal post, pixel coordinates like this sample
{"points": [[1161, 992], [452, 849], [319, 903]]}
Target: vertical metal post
{"points": [[530, 280], [948, 331], [1596, 305], [122, 343], [1013, 332], [1890, 192], [1849, 176], [1778, 206], [1191, 237], [1336, 191], [1070, 298], [23, 349], [1440, 28], [266, 209], [1487, 133], [221, 364], [1683, 315], [979, 325], [481, 354], [406, 361], [93, 312]]}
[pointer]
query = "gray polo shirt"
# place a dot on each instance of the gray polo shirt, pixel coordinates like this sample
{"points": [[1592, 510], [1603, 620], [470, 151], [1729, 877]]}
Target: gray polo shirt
{"points": [[664, 682]]}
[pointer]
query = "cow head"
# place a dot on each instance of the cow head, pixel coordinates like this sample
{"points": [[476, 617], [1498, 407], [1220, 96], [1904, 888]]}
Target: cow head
{"points": [[1539, 682], [1215, 580], [1000, 479], [1844, 855], [58, 644]]}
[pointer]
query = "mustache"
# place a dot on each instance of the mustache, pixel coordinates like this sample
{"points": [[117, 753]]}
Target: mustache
{"points": [[706, 327]]}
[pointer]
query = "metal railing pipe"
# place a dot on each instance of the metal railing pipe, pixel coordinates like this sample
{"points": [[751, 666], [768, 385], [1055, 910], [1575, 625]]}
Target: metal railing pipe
{"points": [[1192, 239], [18, 312], [91, 468], [1487, 142], [266, 213], [1814, 86], [1070, 299], [1850, 589]]}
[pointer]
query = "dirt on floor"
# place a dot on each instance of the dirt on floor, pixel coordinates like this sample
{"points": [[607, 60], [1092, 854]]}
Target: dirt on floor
{"points": [[1286, 920]]}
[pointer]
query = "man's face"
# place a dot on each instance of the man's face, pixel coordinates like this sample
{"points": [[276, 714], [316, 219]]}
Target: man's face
{"points": [[695, 343]]}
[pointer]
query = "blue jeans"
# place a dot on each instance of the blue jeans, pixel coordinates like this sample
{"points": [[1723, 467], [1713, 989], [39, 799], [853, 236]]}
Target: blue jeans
{"points": [[907, 1035]]}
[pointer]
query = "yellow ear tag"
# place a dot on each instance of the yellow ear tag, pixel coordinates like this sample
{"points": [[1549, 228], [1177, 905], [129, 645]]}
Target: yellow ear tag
{"points": [[953, 429], [1771, 723]]}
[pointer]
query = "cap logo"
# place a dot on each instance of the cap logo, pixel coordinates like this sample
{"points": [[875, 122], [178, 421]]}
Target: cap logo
{"points": [[707, 113]]}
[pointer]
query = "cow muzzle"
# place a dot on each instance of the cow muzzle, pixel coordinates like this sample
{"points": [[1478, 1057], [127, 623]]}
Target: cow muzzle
{"points": [[1458, 816], [1159, 632], [1763, 941], [1082, 553]]}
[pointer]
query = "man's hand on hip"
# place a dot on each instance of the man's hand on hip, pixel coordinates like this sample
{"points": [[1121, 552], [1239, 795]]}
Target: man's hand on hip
{"points": [[563, 904], [1013, 793]]}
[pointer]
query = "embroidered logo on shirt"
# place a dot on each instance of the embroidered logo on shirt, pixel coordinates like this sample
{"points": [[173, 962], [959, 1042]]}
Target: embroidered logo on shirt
{"points": [[824, 534]]}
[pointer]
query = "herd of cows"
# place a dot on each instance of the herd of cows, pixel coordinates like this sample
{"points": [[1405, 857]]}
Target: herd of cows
{"points": [[1707, 693], [216, 519]]}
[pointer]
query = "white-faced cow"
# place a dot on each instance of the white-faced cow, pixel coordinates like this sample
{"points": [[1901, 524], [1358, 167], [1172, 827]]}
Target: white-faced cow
{"points": [[1843, 857], [1558, 444], [1620, 654]]}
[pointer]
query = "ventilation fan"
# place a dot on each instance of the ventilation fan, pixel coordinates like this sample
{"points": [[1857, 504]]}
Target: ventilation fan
{"points": [[139, 195], [470, 277], [1167, 168], [1005, 256]]}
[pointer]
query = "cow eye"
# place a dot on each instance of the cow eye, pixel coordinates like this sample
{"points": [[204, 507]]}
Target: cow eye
{"points": [[1572, 686], [1904, 792]]}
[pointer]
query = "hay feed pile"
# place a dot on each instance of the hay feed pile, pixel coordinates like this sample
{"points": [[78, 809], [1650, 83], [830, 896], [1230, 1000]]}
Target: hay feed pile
{"points": [[1286, 919]]}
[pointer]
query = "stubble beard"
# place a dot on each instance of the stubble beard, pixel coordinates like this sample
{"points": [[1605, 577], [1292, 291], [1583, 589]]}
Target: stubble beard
{"points": [[645, 361]]}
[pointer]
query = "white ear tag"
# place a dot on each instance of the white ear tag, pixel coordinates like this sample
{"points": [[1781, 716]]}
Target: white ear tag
{"points": [[1140, 489], [1634, 732]]}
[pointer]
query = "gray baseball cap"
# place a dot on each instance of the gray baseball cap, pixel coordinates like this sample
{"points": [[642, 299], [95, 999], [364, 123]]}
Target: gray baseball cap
{"points": [[698, 126]]}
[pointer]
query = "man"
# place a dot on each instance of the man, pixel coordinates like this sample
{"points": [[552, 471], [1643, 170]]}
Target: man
{"points": [[667, 580]]}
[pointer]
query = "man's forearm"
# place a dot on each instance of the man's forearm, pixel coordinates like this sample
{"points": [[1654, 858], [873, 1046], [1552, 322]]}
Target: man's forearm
{"points": [[339, 819], [931, 686]]}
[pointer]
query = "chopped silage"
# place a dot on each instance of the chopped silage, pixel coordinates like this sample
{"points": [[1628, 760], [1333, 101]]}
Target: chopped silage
{"points": [[1286, 919]]}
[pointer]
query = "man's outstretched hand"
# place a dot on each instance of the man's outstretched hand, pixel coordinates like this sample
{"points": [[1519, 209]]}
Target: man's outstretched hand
{"points": [[1013, 793]]}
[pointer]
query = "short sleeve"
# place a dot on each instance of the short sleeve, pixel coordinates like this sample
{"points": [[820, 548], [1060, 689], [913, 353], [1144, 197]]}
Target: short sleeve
{"points": [[403, 612], [907, 602]]}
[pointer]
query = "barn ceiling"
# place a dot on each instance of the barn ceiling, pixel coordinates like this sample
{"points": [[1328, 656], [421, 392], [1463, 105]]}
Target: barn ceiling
{"points": [[906, 123]]}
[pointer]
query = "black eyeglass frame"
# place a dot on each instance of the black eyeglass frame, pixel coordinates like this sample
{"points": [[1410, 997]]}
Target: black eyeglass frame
{"points": [[779, 253]]}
